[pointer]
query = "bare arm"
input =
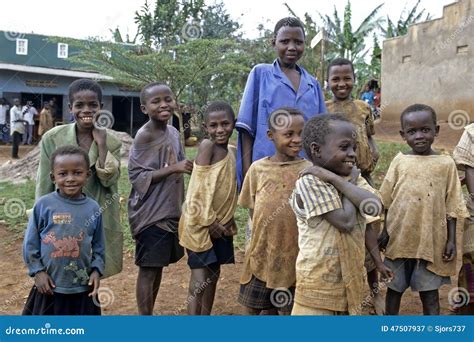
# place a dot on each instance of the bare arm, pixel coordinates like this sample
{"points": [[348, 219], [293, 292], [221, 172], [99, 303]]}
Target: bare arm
{"points": [[247, 150], [344, 219], [204, 154], [450, 248], [372, 246]]}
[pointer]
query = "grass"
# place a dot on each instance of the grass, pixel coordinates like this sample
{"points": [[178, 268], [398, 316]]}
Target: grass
{"points": [[21, 196]]}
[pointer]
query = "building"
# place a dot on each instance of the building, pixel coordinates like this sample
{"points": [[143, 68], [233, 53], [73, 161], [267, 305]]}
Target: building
{"points": [[432, 64], [34, 68]]}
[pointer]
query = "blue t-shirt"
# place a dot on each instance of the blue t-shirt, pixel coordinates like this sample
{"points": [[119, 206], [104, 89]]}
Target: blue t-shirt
{"points": [[368, 97], [268, 89], [65, 238]]}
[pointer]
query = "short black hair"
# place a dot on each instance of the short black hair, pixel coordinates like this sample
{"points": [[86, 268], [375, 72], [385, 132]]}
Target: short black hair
{"points": [[317, 128], [69, 150], [288, 21], [337, 62], [84, 84], [149, 86], [218, 106], [280, 118], [418, 107]]}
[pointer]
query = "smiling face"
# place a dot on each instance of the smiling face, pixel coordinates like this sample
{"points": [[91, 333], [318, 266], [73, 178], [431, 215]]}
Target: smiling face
{"points": [[341, 81], [219, 125], [419, 131], [287, 140], [337, 154], [70, 174], [159, 103], [84, 106], [289, 45]]}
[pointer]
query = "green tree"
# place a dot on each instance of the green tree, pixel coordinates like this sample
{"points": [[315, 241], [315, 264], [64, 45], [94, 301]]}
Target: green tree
{"points": [[375, 62], [405, 19]]}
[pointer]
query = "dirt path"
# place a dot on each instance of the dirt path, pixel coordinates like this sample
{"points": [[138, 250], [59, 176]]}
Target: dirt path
{"points": [[119, 291]]}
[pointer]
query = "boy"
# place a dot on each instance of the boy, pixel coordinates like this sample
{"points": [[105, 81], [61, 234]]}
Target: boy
{"points": [[207, 224], [155, 169], [269, 265], [329, 208], [103, 147]]}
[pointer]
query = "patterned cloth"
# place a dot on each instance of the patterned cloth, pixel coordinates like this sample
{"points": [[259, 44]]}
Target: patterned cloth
{"points": [[420, 192], [211, 196], [358, 112], [271, 256], [330, 266]]}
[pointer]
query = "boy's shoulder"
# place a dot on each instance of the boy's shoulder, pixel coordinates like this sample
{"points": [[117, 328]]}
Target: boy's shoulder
{"points": [[147, 135], [57, 131]]}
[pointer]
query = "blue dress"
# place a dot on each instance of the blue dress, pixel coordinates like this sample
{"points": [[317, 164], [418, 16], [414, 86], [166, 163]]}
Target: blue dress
{"points": [[268, 89]]}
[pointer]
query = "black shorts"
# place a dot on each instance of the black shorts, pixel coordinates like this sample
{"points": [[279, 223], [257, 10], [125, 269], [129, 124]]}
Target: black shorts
{"points": [[256, 295], [157, 248], [221, 252]]}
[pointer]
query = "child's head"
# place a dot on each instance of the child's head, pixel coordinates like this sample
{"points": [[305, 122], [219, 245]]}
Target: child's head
{"points": [[419, 128], [219, 122], [70, 169], [16, 102], [46, 105], [329, 141], [85, 100], [157, 101], [285, 126], [288, 40], [341, 78]]}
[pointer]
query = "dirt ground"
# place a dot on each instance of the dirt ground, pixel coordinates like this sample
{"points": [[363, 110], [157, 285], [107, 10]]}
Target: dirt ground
{"points": [[118, 296]]}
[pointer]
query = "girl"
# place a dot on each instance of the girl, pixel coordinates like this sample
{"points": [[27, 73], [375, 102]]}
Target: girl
{"points": [[64, 242], [103, 147], [46, 119], [423, 196]]}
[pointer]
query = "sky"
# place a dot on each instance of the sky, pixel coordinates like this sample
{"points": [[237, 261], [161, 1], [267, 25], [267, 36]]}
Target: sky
{"points": [[94, 18]]}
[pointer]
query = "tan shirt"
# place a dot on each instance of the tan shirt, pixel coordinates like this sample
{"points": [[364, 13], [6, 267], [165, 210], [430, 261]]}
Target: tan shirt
{"points": [[358, 112], [211, 196], [273, 249], [330, 270], [419, 193]]}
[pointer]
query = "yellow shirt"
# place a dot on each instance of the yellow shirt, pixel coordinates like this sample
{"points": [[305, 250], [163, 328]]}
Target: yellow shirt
{"points": [[272, 253], [419, 193]]}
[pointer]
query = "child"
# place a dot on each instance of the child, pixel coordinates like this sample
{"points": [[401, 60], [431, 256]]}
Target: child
{"points": [[46, 121], [329, 200], [64, 242], [341, 79], [207, 224], [85, 100], [269, 87], [423, 196], [464, 157], [269, 265], [155, 169]]}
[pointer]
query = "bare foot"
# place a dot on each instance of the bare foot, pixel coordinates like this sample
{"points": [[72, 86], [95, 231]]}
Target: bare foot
{"points": [[379, 304]]}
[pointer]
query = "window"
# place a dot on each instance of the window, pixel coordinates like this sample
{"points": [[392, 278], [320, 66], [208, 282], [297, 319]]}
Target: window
{"points": [[462, 49], [21, 46], [406, 59], [62, 50]]}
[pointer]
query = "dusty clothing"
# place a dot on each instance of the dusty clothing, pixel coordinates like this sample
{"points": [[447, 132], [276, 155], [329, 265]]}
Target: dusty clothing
{"points": [[45, 121], [419, 193], [303, 310], [358, 112], [211, 196], [155, 204], [330, 266], [273, 248], [102, 186]]}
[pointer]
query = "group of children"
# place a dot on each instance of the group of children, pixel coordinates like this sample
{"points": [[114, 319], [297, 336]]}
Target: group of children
{"points": [[313, 223]]}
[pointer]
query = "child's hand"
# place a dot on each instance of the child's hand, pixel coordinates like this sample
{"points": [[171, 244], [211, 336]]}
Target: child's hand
{"points": [[386, 274], [99, 135], [184, 166], [462, 179], [228, 227], [44, 283], [449, 251], [321, 173], [383, 240], [94, 281], [217, 230]]}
